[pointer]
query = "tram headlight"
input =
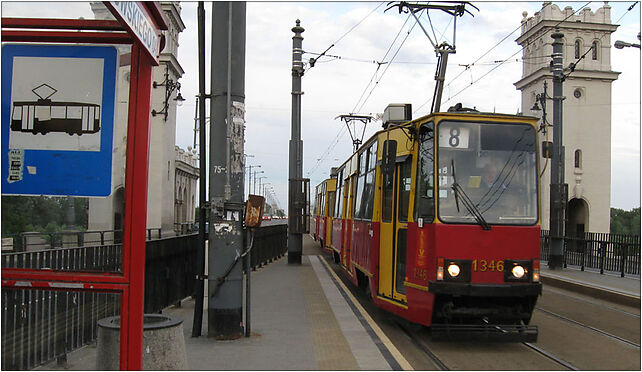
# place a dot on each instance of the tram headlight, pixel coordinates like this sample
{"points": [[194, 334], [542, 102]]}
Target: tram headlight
{"points": [[518, 271], [453, 270]]}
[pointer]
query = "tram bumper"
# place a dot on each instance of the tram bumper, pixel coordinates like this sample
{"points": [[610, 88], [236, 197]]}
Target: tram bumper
{"points": [[490, 312], [485, 290]]}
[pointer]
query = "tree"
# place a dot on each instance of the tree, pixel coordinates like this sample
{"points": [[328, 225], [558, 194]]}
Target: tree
{"points": [[625, 222], [40, 213]]}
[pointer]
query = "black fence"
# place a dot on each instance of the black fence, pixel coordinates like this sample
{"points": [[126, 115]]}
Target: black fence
{"points": [[35, 241], [39, 326], [270, 243], [170, 271], [605, 252]]}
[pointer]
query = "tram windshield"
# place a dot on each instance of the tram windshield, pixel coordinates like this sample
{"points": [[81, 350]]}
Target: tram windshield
{"points": [[487, 173]]}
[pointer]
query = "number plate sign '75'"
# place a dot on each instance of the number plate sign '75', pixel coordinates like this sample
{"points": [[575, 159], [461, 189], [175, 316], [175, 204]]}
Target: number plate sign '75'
{"points": [[139, 22]]}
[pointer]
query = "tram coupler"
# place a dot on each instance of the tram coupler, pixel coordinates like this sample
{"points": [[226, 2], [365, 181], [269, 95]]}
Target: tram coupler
{"points": [[484, 332]]}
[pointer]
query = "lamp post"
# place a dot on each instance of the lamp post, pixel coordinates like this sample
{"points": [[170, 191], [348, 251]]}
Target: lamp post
{"points": [[249, 178], [619, 44], [170, 86], [260, 178], [254, 184]]}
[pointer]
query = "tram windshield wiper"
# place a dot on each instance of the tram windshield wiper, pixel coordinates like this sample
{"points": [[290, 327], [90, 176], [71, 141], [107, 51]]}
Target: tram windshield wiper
{"points": [[467, 202]]}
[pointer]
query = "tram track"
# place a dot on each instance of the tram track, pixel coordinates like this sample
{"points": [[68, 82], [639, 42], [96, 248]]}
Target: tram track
{"points": [[596, 330], [550, 356], [439, 365], [593, 303]]}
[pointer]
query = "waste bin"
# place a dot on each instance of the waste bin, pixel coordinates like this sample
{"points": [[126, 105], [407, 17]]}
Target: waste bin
{"points": [[163, 343]]}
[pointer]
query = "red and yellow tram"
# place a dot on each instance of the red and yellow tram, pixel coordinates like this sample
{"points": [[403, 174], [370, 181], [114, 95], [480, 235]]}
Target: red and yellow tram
{"points": [[438, 219]]}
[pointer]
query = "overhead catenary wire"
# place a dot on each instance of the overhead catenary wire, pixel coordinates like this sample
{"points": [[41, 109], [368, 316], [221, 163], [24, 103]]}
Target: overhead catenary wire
{"points": [[313, 60], [573, 65], [518, 51], [388, 64], [340, 133], [381, 63]]}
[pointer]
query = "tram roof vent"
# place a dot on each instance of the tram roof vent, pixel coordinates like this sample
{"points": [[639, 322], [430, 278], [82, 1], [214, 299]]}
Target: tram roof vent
{"points": [[334, 171], [397, 113]]}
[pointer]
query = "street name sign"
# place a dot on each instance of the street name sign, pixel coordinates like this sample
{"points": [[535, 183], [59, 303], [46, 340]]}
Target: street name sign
{"points": [[58, 110], [140, 23]]}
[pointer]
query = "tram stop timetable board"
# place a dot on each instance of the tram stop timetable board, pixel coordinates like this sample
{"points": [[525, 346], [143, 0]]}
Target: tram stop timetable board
{"points": [[58, 110]]}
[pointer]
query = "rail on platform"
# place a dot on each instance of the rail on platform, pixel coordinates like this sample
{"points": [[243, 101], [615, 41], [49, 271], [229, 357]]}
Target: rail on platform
{"points": [[616, 253], [39, 326], [35, 241]]}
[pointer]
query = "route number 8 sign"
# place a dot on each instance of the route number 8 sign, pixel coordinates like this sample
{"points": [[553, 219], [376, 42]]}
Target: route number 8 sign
{"points": [[453, 136]]}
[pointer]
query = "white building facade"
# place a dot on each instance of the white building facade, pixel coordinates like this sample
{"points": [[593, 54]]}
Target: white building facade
{"points": [[186, 183], [586, 115], [107, 213]]}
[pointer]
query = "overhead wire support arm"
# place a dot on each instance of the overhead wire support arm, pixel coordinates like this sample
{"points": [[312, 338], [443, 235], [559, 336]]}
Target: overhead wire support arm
{"points": [[348, 118], [441, 49]]}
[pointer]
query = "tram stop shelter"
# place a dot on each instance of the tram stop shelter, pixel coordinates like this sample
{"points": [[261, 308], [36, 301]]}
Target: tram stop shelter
{"points": [[140, 25]]}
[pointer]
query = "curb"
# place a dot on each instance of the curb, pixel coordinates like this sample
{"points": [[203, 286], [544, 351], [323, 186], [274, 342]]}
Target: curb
{"points": [[601, 293]]}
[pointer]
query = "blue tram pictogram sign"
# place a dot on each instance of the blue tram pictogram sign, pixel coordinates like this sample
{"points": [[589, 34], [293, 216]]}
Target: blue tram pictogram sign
{"points": [[58, 111]]}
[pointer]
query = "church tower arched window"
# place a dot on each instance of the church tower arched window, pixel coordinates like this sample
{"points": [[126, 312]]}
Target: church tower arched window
{"points": [[594, 49], [577, 49]]}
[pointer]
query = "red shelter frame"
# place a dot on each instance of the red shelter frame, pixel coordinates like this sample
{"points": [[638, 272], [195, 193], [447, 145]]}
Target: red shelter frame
{"points": [[130, 284]]}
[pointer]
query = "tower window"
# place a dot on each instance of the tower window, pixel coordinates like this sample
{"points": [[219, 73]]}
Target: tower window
{"points": [[594, 51], [578, 159], [577, 49]]}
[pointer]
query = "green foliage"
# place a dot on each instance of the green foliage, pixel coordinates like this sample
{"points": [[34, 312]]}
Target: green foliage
{"points": [[41, 213], [625, 222]]}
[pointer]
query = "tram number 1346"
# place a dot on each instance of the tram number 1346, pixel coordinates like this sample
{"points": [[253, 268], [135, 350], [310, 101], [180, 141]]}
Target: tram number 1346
{"points": [[492, 265]]}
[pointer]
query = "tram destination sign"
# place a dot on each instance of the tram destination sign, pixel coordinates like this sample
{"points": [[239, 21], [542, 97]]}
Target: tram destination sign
{"points": [[58, 109], [139, 22]]}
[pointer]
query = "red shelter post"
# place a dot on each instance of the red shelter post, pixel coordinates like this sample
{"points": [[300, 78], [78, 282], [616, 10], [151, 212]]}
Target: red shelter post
{"points": [[145, 38]]}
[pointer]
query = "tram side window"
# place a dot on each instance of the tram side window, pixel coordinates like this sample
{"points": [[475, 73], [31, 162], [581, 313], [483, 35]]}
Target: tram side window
{"points": [[368, 186], [358, 202], [322, 202], [365, 187], [425, 198], [386, 197], [17, 112], [74, 112], [331, 195], [404, 189], [58, 112], [337, 211]]}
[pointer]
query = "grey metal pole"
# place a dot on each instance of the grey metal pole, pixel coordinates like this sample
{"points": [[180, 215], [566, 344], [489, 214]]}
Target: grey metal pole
{"points": [[440, 77], [558, 189], [225, 276], [196, 112], [248, 270], [200, 258], [295, 194]]}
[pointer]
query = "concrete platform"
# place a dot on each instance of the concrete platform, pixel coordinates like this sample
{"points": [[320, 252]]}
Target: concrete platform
{"points": [[607, 286], [303, 318]]}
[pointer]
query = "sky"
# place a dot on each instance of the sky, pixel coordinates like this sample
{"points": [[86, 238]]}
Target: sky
{"points": [[336, 86]]}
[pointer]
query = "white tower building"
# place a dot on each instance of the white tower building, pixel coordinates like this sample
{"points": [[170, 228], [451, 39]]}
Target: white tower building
{"points": [[586, 114]]}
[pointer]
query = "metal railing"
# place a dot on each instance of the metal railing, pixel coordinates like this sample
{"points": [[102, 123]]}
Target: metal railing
{"points": [[39, 326], [603, 251], [270, 243], [34, 241]]}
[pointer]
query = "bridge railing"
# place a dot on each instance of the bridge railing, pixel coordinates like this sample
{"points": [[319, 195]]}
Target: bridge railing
{"points": [[601, 251], [39, 326], [35, 241]]}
